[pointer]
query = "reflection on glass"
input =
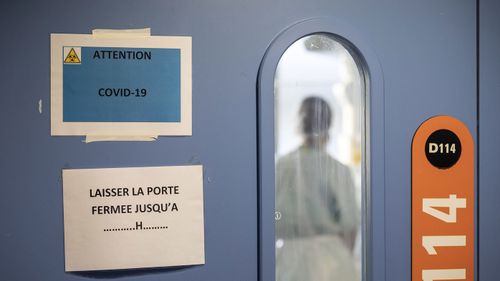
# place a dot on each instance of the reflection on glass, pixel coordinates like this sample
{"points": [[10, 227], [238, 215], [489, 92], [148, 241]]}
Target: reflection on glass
{"points": [[318, 91]]}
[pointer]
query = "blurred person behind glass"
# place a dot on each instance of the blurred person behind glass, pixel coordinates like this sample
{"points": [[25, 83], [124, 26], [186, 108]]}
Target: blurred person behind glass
{"points": [[315, 196]]}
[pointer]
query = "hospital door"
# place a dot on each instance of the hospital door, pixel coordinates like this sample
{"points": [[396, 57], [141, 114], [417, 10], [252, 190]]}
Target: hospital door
{"points": [[415, 60]]}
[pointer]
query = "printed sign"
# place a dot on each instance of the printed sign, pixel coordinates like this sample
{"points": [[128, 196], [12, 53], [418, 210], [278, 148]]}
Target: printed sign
{"points": [[133, 217], [120, 86], [442, 201]]}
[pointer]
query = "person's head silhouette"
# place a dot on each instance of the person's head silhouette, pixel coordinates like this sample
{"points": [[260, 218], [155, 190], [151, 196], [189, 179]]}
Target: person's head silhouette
{"points": [[316, 119]]}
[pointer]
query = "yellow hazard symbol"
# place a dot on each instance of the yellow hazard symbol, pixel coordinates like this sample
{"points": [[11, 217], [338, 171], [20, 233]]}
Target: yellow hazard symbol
{"points": [[72, 57]]}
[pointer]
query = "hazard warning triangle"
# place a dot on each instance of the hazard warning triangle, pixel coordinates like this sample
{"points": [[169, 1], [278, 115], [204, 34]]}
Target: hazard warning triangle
{"points": [[72, 57]]}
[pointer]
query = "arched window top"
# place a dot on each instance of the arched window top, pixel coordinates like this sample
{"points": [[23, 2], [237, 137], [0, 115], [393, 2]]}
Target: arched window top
{"points": [[320, 65]]}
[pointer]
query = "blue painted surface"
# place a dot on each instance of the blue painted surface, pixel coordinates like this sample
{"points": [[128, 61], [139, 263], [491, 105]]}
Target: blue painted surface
{"points": [[426, 56], [103, 89], [489, 138]]}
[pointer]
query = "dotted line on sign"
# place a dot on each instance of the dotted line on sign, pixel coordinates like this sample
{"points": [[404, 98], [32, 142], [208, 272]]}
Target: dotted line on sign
{"points": [[155, 227], [133, 229], [118, 229]]}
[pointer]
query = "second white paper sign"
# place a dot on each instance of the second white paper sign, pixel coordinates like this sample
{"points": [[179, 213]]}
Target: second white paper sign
{"points": [[133, 217]]}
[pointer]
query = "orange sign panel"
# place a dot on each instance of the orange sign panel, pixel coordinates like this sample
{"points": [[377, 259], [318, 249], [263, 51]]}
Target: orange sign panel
{"points": [[442, 201]]}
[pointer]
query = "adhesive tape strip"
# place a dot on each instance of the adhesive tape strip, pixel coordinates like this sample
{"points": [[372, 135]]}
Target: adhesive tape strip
{"points": [[110, 33], [91, 138]]}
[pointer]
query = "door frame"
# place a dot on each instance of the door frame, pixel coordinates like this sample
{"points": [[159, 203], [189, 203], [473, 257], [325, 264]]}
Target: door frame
{"points": [[373, 183]]}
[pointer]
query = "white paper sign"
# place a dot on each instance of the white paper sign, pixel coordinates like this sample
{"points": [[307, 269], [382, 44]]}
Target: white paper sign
{"points": [[133, 217]]}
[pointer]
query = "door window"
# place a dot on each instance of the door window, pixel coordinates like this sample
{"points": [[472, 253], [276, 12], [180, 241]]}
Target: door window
{"points": [[319, 135]]}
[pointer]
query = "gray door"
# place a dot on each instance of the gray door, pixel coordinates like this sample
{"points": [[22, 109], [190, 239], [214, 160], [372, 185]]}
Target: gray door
{"points": [[421, 57]]}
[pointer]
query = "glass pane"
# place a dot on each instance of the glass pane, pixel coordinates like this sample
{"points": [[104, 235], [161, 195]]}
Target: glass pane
{"points": [[319, 92]]}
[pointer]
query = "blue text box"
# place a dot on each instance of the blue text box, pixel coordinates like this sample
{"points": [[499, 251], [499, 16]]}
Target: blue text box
{"points": [[122, 85]]}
